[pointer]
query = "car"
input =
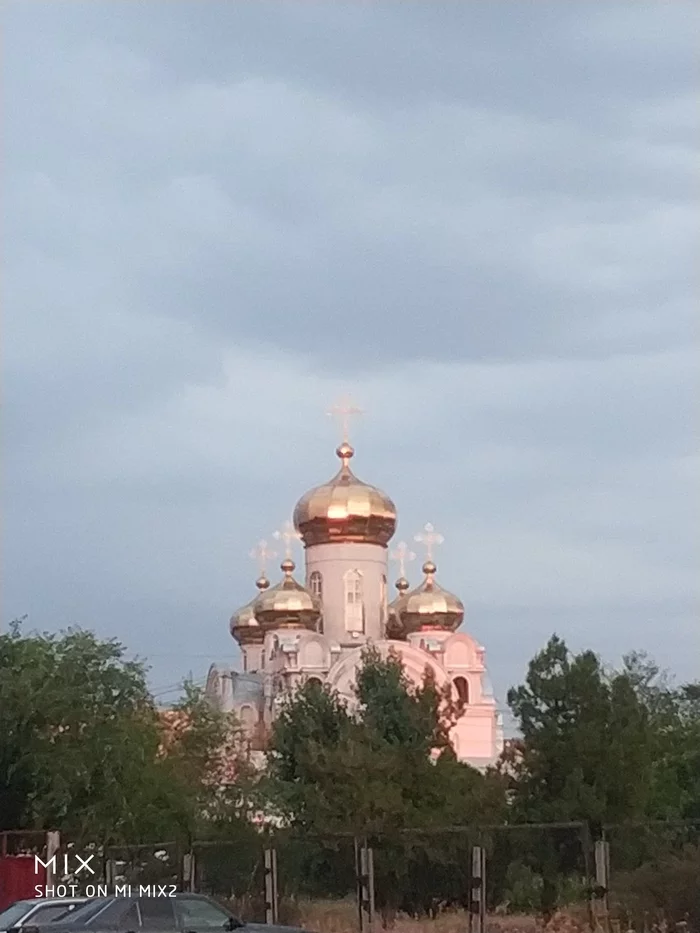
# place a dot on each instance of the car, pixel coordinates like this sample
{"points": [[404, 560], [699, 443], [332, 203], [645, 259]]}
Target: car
{"points": [[173, 912], [38, 910]]}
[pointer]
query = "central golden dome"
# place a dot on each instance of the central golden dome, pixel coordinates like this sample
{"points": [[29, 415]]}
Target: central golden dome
{"points": [[345, 509]]}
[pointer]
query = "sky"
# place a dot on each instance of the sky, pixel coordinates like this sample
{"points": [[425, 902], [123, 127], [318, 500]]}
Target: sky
{"points": [[478, 220]]}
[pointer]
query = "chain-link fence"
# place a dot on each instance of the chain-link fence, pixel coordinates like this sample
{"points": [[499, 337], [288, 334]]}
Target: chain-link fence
{"points": [[644, 877]]}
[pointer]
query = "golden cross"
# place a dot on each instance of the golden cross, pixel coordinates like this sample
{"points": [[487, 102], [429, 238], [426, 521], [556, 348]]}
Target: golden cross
{"points": [[403, 556], [429, 537], [344, 410], [288, 533], [261, 554]]}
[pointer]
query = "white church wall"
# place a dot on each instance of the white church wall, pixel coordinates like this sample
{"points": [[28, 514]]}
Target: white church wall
{"points": [[336, 563]]}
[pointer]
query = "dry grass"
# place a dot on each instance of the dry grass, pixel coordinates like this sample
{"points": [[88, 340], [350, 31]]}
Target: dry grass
{"points": [[341, 917]]}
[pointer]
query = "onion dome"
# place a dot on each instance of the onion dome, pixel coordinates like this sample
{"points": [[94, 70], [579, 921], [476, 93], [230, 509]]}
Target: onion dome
{"points": [[287, 605], [244, 627], [428, 606], [394, 626], [345, 509]]}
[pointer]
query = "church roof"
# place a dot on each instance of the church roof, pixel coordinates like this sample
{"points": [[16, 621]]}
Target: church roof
{"points": [[345, 509]]}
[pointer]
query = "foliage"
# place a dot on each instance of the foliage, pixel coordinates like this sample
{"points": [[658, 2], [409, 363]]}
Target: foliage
{"points": [[584, 745], [600, 747], [370, 771], [666, 885], [384, 767], [81, 743], [84, 749]]}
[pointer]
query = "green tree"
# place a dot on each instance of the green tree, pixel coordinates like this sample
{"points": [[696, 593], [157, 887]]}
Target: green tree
{"points": [[81, 744], [674, 753], [585, 741], [380, 770]]}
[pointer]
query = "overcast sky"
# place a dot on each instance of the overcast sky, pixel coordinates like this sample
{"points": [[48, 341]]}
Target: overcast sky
{"points": [[478, 219]]}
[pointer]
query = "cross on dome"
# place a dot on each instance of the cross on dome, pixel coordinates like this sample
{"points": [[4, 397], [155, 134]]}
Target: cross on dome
{"points": [[402, 555], [344, 410], [262, 555], [429, 537], [287, 534]]}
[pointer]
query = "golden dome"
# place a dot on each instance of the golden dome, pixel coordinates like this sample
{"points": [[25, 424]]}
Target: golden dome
{"points": [[345, 509], [428, 606], [287, 605], [244, 627], [394, 626]]}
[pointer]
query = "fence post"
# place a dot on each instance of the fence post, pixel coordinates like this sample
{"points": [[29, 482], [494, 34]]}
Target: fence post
{"points": [[602, 881], [364, 870], [271, 895], [189, 869], [53, 844], [477, 899]]}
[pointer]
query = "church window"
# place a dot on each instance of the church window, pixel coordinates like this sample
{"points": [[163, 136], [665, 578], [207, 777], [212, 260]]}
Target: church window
{"points": [[462, 687], [354, 602], [316, 584], [382, 600]]}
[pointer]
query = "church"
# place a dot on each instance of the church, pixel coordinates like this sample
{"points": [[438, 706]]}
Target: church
{"points": [[293, 632]]}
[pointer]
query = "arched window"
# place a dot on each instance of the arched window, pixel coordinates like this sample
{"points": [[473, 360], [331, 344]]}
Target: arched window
{"points": [[247, 719], [316, 681], [354, 602], [382, 600], [316, 584], [462, 687], [316, 587]]}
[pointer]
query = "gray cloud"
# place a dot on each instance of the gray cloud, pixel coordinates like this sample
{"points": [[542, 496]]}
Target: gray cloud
{"points": [[218, 216]]}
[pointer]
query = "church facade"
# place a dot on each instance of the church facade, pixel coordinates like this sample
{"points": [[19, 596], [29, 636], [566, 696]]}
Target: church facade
{"points": [[294, 632]]}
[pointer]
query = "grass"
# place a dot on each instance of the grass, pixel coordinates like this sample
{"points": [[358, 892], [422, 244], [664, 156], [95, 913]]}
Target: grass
{"points": [[341, 917]]}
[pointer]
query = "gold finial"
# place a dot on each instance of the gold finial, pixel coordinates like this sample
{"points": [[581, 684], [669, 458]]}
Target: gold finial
{"points": [[262, 554], [344, 410], [288, 534], [403, 556], [287, 566], [429, 537]]}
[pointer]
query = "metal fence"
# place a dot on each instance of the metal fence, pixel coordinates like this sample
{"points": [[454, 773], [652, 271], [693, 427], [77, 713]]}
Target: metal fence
{"points": [[641, 877]]}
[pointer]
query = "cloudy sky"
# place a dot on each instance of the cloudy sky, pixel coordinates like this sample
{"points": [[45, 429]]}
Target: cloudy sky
{"points": [[478, 219]]}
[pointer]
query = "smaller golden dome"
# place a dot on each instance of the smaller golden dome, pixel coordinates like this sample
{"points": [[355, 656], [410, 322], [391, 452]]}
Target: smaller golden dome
{"points": [[288, 604], [429, 606], [345, 509], [244, 627], [394, 626]]}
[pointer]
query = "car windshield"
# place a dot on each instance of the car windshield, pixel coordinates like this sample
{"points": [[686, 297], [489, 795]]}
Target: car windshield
{"points": [[14, 913]]}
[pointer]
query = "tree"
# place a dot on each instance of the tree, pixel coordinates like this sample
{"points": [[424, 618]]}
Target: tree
{"points": [[76, 728], [382, 770], [585, 740], [584, 754], [674, 752], [82, 745]]}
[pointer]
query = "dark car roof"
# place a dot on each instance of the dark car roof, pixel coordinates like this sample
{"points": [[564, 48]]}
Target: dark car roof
{"points": [[74, 923]]}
